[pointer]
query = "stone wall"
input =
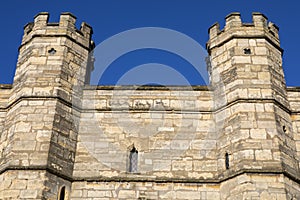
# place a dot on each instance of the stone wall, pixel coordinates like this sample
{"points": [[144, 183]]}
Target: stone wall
{"points": [[254, 186], [172, 129], [143, 190], [30, 184], [22, 184], [294, 100], [4, 96], [237, 138]]}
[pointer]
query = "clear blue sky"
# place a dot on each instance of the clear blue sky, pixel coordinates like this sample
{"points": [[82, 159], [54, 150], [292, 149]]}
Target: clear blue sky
{"points": [[110, 17]]}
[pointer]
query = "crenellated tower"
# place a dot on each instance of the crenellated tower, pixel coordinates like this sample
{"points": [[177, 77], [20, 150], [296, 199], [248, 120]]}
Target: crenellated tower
{"points": [[236, 139], [252, 110], [40, 131]]}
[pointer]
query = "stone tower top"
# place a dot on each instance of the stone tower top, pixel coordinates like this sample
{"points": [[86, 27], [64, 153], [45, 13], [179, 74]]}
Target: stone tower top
{"points": [[235, 28], [53, 57], [66, 27]]}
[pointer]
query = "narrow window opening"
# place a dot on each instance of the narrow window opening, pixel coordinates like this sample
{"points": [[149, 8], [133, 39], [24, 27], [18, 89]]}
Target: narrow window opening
{"points": [[284, 128], [133, 160], [247, 51], [52, 51], [227, 160], [62, 193]]}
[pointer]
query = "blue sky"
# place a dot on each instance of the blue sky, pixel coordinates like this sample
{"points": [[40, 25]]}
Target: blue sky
{"points": [[110, 17]]}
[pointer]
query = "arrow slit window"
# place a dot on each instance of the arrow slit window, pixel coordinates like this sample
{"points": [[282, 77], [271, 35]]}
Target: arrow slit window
{"points": [[133, 160]]}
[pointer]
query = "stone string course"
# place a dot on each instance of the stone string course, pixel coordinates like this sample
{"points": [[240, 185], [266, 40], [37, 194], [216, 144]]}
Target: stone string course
{"points": [[238, 138]]}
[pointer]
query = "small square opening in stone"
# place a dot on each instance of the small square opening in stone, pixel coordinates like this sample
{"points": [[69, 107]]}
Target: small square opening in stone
{"points": [[247, 51], [52, 51]]}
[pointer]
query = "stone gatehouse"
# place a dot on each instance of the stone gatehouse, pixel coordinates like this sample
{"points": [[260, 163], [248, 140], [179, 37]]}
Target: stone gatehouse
{"points": [[237, 138]]}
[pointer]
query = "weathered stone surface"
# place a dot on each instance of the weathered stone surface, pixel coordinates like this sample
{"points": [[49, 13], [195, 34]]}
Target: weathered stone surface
{"points": [[238, 138]]}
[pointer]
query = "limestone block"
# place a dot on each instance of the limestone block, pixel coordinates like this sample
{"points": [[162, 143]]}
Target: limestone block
{"points": [[264, 76], [259, 108], [205, 165], [269, 107], [242, 60], [161, 165], [222, 58], [255, 68], [11, 194], [254, 93], [101, 104], [243, 42], [204, 145], [258, 133], [127, 194], [165, 129], [242, 135], [263, 155], [44, 91], [187, 195], [97, 194], [260, 60], [18, 184], [252, 42], [23, 127], [266, 124], [213, 195], [24, 145], [36, 103], [76, 193], [260, 51], [54, 62], [244, 154], [35, 184], [29, 175], [26, 194]]}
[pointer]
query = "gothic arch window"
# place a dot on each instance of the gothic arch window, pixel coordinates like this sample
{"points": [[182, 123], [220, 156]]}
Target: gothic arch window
{"points": [[133, 160], [62, 193]]}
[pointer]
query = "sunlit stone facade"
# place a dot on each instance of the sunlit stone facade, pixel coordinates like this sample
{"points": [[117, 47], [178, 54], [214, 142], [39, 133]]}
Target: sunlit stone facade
{"points": [[238, 138]]}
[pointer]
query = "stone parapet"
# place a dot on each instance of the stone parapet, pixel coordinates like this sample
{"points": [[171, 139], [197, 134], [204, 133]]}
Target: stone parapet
{"points": [[234, 28], [64, 28]]}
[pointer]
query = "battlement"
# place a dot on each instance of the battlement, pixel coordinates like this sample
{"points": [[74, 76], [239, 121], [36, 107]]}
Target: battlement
{"points": [[237, 138], [65, 27], [234, 27]]}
